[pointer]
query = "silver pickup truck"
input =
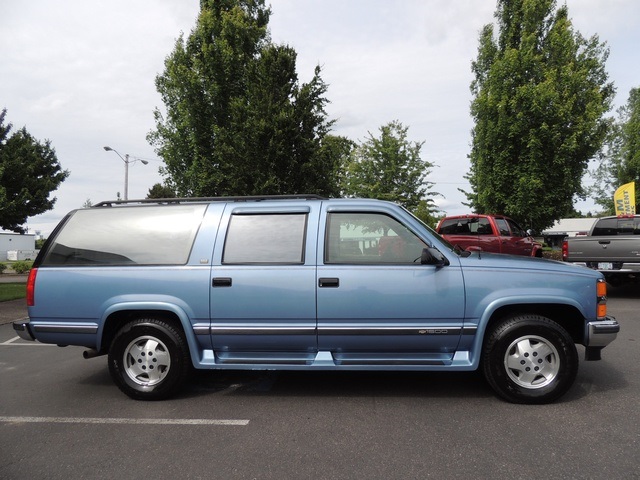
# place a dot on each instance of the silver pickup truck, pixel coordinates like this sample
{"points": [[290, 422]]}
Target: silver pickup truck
{"points": [[612, 247]]}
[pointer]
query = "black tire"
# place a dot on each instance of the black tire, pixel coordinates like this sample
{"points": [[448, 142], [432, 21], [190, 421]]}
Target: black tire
{"points": [[149, 359], [529, 359]]}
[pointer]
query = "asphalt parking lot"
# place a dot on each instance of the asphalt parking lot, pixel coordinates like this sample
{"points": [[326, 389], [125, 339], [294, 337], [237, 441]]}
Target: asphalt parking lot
{"points": [[62, 417]]}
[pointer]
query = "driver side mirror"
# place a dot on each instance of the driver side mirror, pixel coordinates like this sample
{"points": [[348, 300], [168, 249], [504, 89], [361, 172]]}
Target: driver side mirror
{"points": [[432, 256]]}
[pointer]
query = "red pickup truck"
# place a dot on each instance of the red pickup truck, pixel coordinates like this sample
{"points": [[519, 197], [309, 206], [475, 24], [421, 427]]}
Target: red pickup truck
{"points": [[488, 233]]}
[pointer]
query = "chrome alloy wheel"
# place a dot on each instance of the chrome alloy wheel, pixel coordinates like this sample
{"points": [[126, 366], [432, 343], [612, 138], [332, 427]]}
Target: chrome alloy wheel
{"points": [[146, 361], [532, 362]]}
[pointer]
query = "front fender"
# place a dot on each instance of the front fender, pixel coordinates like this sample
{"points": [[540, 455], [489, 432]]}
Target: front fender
{"points": [[525, 302], [536, 251]]}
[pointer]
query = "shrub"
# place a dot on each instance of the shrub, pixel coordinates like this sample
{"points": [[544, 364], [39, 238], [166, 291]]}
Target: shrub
{"points": [[553, 254], [22, 266], [3, 267]]}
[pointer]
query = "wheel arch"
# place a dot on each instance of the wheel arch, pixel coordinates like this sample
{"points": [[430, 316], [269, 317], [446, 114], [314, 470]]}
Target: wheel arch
{"points": [[119, 315], [567, 316]]}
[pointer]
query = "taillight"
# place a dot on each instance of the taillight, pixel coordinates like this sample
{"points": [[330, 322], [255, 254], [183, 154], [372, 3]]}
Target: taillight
{"points": [[565, 250], [31, 287], [601, 292]]}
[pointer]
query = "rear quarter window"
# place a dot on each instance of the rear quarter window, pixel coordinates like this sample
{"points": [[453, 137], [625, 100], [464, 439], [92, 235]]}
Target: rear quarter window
{"points": [[149, 235]]}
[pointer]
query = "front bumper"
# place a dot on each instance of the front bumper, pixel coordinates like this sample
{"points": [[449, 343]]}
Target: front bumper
{"points": [[602, 332], [23, 329]]}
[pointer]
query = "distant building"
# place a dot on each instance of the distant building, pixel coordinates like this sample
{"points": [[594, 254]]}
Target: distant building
{"points": [[567, 227], [21, 246]]}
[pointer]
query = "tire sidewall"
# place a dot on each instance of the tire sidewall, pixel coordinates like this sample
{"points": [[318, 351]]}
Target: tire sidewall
{"points": [[521, 326], [175, 348]]}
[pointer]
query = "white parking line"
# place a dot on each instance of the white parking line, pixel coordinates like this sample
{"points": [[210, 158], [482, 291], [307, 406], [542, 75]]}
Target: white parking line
{"points": [[126, 421], [30, 344]]}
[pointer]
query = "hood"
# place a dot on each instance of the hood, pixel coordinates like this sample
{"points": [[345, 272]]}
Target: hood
{"points": [[515, 262]]}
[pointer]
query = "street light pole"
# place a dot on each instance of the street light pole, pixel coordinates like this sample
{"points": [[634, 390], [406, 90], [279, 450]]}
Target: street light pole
{"points": [[126, 161]]}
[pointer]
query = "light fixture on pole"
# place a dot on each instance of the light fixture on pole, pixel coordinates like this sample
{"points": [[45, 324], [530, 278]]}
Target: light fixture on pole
{"points": [[126, 161]]}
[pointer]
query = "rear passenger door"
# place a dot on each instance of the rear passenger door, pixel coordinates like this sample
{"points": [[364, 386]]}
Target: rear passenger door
{"points": [[263, 304], [376, 303]]}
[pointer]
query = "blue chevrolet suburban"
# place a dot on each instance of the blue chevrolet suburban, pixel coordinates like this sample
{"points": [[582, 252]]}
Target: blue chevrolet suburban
{"points": [[305, 283]]}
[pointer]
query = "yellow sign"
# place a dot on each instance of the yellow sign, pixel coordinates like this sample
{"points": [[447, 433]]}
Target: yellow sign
{"points": [[625, 199]]}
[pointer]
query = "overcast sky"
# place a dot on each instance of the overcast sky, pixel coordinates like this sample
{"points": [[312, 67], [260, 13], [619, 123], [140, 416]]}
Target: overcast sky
{"points": [[81, 74]]}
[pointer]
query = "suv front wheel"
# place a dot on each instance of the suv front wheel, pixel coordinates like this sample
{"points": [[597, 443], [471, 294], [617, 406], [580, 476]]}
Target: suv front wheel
{"points": [[529, 359], [149, 359]]}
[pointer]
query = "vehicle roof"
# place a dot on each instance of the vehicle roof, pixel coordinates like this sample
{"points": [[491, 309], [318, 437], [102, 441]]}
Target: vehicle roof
{"points": [[474, 215], [618, 216], [180, 200]]}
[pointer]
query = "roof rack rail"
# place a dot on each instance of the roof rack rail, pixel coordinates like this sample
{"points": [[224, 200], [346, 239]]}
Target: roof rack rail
{"points": [[249, 198]]}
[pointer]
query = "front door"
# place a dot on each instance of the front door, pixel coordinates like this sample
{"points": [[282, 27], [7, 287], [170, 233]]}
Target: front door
{"points": [[376, 303]]}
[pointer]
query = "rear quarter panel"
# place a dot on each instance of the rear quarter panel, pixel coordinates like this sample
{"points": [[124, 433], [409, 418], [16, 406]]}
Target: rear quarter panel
{"points": [[86, 296]]}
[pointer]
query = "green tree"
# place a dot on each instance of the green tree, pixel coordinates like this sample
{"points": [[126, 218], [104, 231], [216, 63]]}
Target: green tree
{"points": [[540, 93], [620, 159], [29, 172], [279, 130], [238, 121], [161, 191], [389, 167], [337, 152], [428, 212]]}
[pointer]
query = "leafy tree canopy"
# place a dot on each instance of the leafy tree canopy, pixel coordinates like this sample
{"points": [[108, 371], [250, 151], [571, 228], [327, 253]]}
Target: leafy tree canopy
{"points": [[389, 167], [29, 172], [540, 93], [238, 121]]}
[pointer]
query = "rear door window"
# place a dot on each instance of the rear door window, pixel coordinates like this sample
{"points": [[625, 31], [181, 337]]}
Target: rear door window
{"points": [[265, 239]]}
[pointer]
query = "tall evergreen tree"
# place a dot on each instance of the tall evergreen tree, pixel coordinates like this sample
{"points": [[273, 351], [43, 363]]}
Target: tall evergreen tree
{"points": [[540, 93], [238, 122], [29, 172]]}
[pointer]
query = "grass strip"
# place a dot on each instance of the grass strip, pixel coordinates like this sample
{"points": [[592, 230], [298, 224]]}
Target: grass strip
{"points": [[12, 291]]}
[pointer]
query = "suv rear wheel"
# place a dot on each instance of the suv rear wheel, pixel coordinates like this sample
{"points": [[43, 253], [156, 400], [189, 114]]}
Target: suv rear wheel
{"points": [[529, 359], [149, 359]]}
